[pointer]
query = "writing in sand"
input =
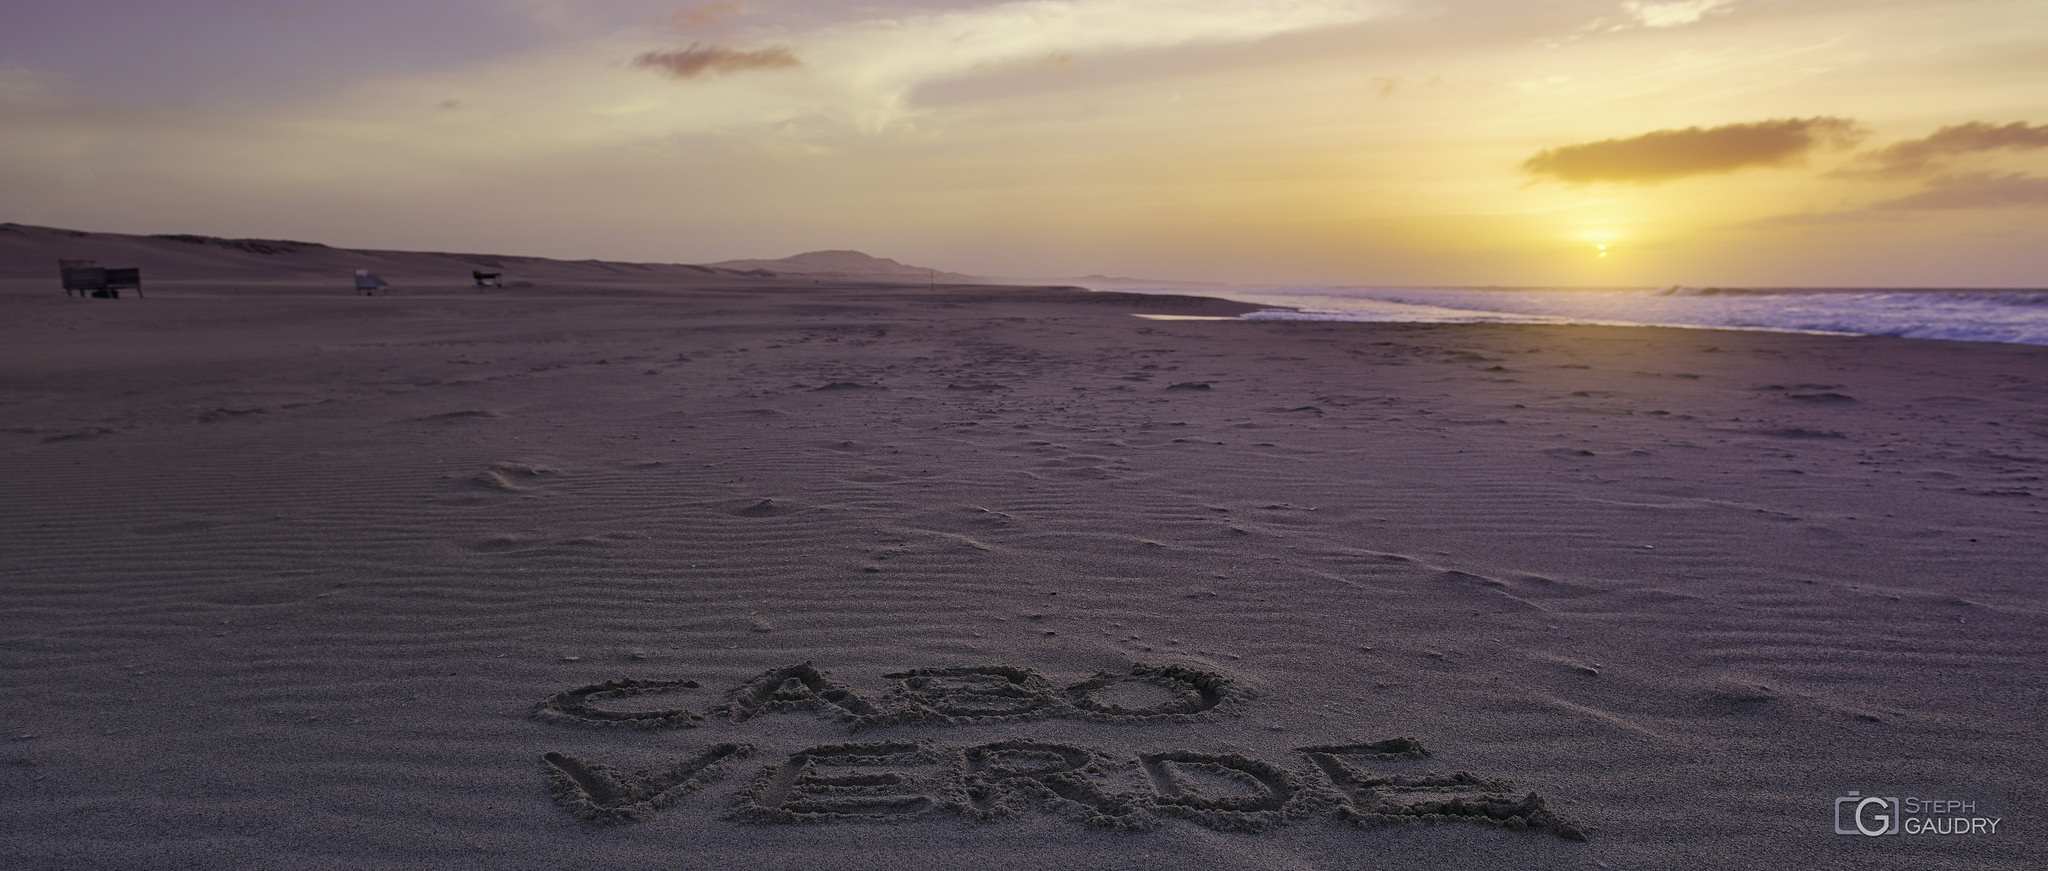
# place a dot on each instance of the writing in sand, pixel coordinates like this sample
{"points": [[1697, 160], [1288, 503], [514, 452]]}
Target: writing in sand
{"points": [[1367, 783]]}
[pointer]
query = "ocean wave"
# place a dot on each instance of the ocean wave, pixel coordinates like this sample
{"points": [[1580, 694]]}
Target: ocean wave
{"points": [[1682, 290], [2015, 317]]}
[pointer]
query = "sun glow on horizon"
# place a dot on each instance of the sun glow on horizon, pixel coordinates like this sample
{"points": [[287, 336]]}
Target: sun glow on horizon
{"points": [[1321, 141]]}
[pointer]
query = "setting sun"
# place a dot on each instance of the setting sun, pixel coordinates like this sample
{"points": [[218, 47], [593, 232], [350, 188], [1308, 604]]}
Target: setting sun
{"points": [[1243, 142]]}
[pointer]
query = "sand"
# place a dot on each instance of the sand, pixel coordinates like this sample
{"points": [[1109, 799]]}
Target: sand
{"points": [[775, 574]]}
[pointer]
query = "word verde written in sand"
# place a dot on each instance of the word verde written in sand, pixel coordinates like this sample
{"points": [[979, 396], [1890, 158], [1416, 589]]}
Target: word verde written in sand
{"points": [[897, 780]]}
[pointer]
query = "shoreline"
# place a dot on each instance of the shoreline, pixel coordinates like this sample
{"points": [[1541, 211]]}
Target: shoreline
{"points": [[2007, 317], [204, 289]]}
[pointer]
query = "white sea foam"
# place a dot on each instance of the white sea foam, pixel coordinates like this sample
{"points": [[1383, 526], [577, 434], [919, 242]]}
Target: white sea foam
{"points": [[2015, 316]]}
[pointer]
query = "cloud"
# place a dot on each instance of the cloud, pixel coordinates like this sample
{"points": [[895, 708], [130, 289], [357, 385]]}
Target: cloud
{"points": [[1976, 191], [1640, 14], [1671, 154], [1675, 13], [911, 50], [866, 71], [699, 60], [1917, 156]]}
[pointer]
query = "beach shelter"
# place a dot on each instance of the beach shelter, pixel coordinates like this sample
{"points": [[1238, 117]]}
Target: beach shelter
{"points": [[89, 277], [368, 282]]}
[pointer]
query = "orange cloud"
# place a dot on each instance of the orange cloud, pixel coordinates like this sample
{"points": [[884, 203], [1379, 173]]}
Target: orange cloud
{"points": [[1671, 154], [1917, 156], [699, 60]]}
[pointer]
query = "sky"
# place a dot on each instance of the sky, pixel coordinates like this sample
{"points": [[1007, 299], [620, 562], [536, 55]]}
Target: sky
{"points": [[1869, 143]]}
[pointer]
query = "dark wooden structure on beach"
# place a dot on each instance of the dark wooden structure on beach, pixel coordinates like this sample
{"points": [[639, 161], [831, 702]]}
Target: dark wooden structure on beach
{"points": [[89, 277]]}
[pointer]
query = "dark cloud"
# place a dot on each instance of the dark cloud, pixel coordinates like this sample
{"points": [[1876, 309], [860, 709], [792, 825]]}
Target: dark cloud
{"points": [[1979, 191], [1917, 156], [699, 60], [1671, 154]]}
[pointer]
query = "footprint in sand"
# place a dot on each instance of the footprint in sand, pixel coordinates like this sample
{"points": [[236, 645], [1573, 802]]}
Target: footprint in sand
{"points": [[459, 416], [762, 508], [513, 477], [91, 432]]}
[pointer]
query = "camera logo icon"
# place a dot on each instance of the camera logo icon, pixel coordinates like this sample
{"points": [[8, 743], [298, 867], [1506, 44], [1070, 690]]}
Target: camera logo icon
{"points": [[1858, 814]]}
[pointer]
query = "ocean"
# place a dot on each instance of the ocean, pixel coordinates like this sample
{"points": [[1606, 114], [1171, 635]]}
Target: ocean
{"points": [[2015, 316]]}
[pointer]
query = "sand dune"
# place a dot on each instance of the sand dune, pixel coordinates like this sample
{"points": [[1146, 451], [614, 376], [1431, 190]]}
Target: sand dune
{"points": [[214, 264], [731, 573], [852, 266]]}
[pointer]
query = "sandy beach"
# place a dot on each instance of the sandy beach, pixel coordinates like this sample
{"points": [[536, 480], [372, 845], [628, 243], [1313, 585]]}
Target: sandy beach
{"points": [[713, 573]]}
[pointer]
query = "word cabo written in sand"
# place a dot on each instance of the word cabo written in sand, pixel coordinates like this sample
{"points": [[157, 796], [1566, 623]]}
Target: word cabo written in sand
{"points": [[894, 780]]}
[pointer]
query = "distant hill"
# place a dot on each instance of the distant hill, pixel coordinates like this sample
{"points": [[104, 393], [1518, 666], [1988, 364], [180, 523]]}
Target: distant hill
{"points": [[31, 253], [848, 265]]}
